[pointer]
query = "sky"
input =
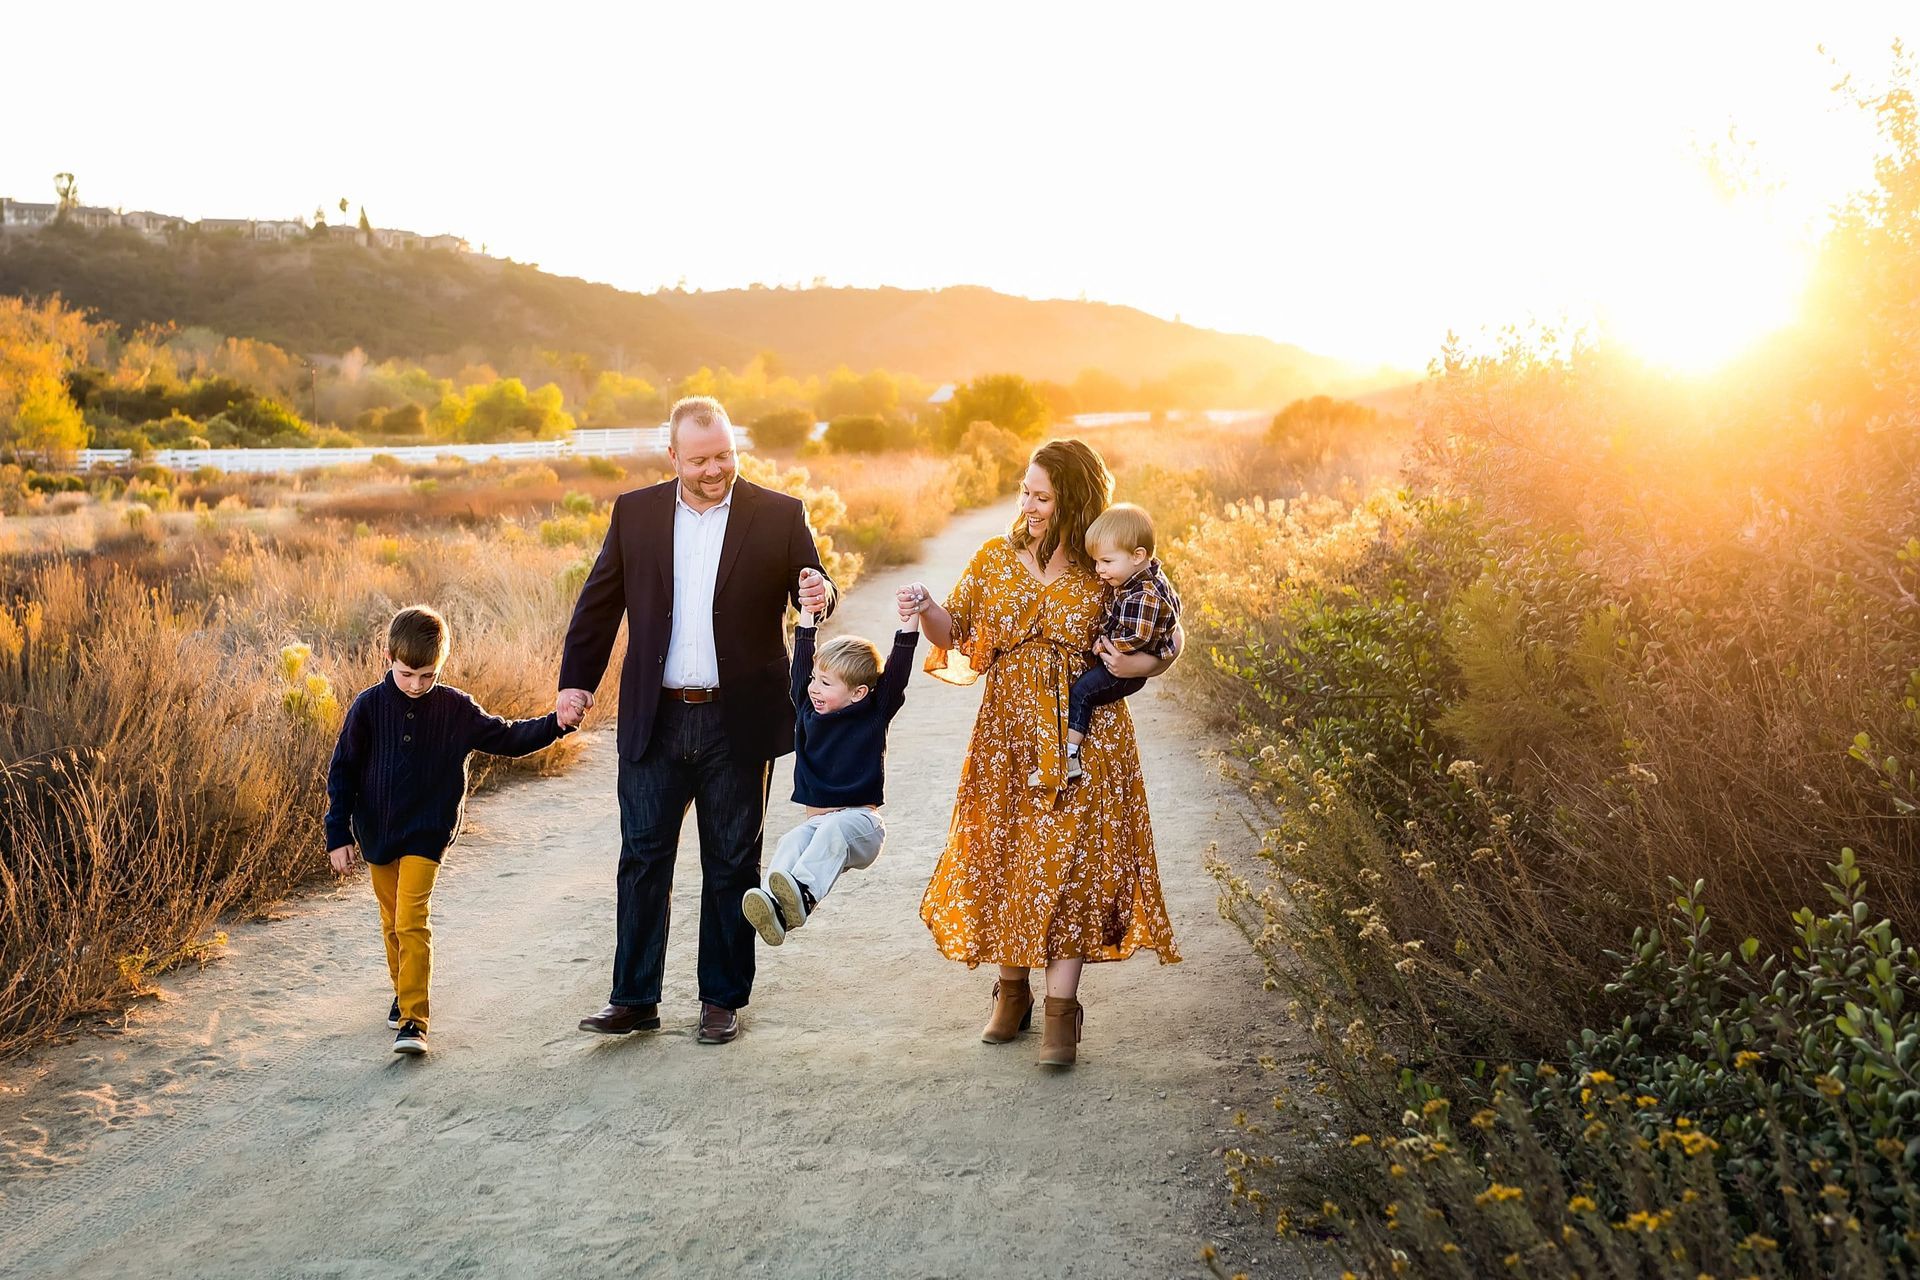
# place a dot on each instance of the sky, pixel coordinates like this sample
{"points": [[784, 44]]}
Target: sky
{"points": [[1356, 178]]}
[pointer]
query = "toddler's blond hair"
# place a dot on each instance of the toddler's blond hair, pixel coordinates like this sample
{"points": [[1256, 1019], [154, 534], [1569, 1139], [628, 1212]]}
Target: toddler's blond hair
{"points": [[1122, 526], [854, 659]]}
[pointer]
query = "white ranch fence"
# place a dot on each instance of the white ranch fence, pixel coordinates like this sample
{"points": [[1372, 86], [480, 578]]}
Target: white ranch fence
{"points": [[608, 442], [600, 443]]}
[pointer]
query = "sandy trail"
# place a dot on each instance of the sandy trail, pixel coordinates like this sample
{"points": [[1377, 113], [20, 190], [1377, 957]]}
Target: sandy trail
{"points": [[254, 1122]]}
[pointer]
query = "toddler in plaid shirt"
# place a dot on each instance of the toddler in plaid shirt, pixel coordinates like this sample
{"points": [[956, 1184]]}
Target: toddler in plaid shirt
{"points": [[1140, 617]]}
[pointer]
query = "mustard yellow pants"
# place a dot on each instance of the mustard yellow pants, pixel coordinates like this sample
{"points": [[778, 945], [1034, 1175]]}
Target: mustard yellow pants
{"points": [[403, 887]]}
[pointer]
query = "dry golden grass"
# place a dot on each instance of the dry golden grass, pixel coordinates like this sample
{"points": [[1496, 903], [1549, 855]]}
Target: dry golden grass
{"points": [[167, 733], [176, 651]]}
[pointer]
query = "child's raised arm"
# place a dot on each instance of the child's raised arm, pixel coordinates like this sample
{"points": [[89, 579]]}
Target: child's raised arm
{"points": [[893, 677], [803, 640]]}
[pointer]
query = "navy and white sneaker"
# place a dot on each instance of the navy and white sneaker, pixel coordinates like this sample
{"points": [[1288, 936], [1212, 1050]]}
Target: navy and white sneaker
{"points": [[763, 913], [393, 1014], [795, 899], [412, 1038]]}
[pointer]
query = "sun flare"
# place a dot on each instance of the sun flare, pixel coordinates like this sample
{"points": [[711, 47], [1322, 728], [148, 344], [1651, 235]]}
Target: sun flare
{"points": [[1709, 282]]}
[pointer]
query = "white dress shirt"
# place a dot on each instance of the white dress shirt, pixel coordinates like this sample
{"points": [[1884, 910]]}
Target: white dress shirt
{"points": [[692, 661]]}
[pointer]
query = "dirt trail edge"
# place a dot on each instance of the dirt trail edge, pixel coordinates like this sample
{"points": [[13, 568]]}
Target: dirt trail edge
{"points": [[254, 1122]]}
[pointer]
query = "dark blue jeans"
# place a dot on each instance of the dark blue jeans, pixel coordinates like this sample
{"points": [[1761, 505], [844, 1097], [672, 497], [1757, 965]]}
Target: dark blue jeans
{"points": [[1096, 689], [688, 762]]}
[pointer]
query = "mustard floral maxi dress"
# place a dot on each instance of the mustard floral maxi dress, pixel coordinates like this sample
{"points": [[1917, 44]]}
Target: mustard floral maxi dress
{"points": [[1053, 872]]}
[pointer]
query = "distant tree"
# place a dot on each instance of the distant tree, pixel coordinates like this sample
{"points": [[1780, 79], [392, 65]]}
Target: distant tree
{"points": [[1007, 400], [861, 433], [502, 410], [617, 400], [1097, 391], [849, 393], [1061, 403], [368, 226], [343, 204], [1320, 415], [782, 429], [67, 187], [406, 420], [46, 421]]}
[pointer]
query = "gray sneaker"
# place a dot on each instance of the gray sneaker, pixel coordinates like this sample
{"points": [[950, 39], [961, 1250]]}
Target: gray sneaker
{"points": [[792, 896], [763, 913]]}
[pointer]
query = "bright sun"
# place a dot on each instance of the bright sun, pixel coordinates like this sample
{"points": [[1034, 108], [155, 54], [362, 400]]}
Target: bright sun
{"points": [[1719, 275]]}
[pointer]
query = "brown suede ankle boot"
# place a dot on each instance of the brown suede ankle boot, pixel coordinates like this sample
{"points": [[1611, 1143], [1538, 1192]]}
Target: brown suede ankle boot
{"points": [[1012, 1012], [1060, 1034]]}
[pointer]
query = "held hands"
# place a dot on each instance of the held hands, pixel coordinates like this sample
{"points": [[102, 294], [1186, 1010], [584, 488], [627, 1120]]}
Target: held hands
{"points": [[343, 859], [912, 600], [570, 707], [813, 593]]}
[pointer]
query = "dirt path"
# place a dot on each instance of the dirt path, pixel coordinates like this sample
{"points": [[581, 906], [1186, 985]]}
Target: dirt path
{"points": [[254, 1123]]}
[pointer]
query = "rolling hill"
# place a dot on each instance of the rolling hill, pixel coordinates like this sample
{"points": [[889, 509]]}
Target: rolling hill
{"points": [[326, 297]]}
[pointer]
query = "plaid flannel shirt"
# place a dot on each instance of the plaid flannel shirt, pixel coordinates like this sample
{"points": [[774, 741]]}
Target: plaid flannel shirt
{"points": [[1143, 613]]}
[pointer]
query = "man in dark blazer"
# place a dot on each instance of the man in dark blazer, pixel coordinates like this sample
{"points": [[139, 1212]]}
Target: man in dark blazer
{"points": [[703, 567]]}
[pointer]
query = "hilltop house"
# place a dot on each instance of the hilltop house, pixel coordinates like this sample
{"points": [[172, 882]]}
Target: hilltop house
{"points": [[155, 226], [21, 215]]}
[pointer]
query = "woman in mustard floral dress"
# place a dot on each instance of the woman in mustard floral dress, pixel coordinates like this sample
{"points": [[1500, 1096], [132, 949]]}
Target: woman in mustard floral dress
{"points": [[1056, 874]]}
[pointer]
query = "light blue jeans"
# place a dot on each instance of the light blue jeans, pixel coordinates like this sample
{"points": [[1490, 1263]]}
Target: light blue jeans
{"points": [[821, 847]]}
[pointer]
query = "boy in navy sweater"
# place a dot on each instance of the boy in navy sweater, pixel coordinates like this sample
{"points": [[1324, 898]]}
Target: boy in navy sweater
{"points": [[397, 787], [843, 702]]}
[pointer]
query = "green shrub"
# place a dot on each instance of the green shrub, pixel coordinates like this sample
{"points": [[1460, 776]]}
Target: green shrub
{"points": [[1747, 1115], [782, 429], [860, 433]]}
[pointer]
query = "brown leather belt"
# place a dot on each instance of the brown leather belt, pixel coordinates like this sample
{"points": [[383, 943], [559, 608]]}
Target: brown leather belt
{"points": [[693, 697]]}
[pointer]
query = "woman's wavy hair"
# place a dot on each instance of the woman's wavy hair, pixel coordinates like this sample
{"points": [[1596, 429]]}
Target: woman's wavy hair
{"points": [[1082, 488]]}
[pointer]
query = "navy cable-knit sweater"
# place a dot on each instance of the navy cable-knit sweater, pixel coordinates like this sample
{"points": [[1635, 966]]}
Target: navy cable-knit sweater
{"points": [[398, 781], [839, 758]]}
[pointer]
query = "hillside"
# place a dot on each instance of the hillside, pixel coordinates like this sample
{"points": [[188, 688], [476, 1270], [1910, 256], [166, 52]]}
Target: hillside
{"points": [[326, 297]]}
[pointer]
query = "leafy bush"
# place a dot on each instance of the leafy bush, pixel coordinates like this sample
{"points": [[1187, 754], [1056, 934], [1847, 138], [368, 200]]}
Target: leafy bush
{"points": [[1743, 1118], [860, 433], [783, 429], [1007, 400], [1623, 631]]}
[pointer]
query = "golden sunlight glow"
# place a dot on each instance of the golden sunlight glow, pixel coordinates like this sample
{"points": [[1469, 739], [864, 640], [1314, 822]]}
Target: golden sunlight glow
{"points": [[1417, 169], [1723, 275]]}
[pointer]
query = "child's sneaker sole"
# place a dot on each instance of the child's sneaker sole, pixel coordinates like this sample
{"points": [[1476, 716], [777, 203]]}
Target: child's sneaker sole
{"points": [[410, 1046], [786, 891], [757, 906]]}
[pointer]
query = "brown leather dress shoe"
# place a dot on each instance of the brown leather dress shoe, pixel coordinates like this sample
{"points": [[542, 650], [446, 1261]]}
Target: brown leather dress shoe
{"points": [[717, 1025], [623, 1019]]}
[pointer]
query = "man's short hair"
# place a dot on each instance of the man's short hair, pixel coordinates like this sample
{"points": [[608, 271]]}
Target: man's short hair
{"points": [[702, 411], [852, 658], [418, 637], [1122, 526]]}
